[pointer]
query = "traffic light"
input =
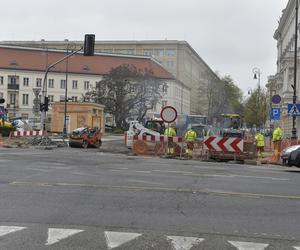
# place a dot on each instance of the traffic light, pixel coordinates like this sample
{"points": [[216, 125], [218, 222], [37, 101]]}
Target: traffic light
{"points": [[2, 100], [89, 45], [45, 106]]}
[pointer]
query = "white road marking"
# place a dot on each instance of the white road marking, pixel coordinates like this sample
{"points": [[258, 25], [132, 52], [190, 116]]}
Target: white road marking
{"points": [[173, 171], [9, 229], [115, 239], [240, 245], [146, 182], [145, 172], [57, 234], [297, 248], [184, 243]]}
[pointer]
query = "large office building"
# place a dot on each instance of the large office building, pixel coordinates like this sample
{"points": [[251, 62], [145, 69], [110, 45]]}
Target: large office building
{"points": [[281, 83], [23, 69], [178, 57]]}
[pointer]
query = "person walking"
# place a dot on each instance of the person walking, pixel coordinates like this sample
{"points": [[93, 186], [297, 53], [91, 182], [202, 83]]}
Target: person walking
{"points": [[260, 143], [190, 137], [170, 132]]}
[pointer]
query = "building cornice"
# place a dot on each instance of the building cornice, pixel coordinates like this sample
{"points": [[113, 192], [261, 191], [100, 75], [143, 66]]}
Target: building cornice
{"points": [[284, 18]]}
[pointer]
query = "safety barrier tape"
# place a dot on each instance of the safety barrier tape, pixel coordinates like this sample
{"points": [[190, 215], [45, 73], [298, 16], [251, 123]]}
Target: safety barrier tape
{"points": [[157, 138], [26, 133]]}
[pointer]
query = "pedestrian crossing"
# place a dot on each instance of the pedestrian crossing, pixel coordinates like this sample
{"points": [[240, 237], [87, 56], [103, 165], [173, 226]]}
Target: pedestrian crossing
{"points": [[121, 239]]}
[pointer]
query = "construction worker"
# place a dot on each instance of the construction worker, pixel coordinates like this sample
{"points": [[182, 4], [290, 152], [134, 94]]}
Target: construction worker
{"points": [[170, 132], [190, 137], [260, 143], [277, 137]]}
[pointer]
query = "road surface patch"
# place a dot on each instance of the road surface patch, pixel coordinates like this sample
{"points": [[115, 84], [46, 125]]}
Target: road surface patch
{"points": [[184, 243]]}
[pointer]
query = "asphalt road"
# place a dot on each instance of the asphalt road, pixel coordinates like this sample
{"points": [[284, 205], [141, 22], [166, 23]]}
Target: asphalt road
{"points": [[89, 199]]}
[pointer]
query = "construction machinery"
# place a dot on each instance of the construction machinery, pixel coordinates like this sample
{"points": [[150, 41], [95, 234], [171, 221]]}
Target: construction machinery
{"points": [[85, 137], [152, 127], [231, 126]]}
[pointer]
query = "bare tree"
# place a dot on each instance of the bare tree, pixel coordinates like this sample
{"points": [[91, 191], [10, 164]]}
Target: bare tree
{"points": [[127, 92]]}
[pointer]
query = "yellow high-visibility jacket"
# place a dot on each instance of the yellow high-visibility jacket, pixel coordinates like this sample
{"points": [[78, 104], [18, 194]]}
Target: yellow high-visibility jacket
{"points": [[260, 140]]}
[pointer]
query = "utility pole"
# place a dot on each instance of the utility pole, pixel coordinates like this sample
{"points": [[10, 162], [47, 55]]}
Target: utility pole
{"points": [[294, 86]]}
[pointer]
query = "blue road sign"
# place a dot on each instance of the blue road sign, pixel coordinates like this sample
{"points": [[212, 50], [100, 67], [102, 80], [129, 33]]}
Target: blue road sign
{"points": [[275, 115], [276, 99], [293, 109]]}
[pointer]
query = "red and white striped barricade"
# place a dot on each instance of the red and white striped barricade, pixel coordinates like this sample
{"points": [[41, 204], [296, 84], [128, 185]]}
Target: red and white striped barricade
{"points": [[26, 133], [225, 148], [154, 144]]}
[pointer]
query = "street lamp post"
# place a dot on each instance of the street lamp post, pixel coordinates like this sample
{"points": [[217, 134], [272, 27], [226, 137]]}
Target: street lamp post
{"points": [[69, 46], [256, 76], [294, 86]]}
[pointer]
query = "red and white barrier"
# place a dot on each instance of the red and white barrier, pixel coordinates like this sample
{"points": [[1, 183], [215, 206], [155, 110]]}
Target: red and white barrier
{"points": [[157, 138], [26, 133], [224, 144]]}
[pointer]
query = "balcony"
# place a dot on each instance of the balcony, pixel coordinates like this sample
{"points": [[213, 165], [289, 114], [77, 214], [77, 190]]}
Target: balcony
{"points": [[13, 86], [12, 106]]}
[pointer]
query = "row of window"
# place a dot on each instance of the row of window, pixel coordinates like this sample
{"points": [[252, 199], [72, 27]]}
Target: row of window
{"points": [[14, 80], [25, 98], [147, 52]]}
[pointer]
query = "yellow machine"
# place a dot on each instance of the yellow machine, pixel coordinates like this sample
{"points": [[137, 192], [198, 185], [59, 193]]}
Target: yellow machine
{"points": [[5, 124]]}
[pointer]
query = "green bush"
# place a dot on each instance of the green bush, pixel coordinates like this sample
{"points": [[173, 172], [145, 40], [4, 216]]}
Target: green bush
{"points": [[5, 131]]}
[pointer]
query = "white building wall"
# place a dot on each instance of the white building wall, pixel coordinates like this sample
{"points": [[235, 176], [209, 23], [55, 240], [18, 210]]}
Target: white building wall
{"points": [[177, 94]]}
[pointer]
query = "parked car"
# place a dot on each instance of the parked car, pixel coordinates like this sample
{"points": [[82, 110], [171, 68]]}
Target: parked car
{"points": [[84, 137], [291, 156]]}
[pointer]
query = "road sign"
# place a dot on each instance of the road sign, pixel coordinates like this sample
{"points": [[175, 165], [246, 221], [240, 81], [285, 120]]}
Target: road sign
{"points": [[276, 99], [36, 91], [275, 115], [36, 101], [168, 114], [293, 109], [224, 144]]}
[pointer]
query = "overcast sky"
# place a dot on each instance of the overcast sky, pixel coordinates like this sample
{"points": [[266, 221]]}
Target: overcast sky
{"points": [[232, 36]]}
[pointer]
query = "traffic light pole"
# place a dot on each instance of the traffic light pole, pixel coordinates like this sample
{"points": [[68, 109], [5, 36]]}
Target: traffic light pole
{"points": [[44, 92]]}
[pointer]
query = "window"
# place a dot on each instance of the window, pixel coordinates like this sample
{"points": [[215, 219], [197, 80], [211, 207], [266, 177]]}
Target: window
{"points": [[39, 82], [25, 81], [51, 83], [74, 98], [158, 52], [170, 52], [165, 88], [12, 80], [86, 85], [1, 94], [51, 98], [148, 52], [164, 104], [12, 99], [62, 84], [74, 84], [25, 116], [1, 80], [170, 64], [25, 99], [62, 98]]}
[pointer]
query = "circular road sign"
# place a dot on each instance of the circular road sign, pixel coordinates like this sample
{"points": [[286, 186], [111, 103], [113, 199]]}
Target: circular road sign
{"points": [[168, 114], [276, 99]]}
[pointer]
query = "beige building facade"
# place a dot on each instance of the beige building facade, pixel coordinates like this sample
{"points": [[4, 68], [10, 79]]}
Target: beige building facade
{"points": [[178, 57], [23, 69], [281, 82]]}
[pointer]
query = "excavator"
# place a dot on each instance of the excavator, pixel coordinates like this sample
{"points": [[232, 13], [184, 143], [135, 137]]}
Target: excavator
{"points": [[152, 127]]}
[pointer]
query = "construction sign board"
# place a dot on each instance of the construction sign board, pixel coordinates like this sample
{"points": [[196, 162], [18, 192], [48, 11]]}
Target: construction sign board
{"points": [[293, 109], [224, 144]]}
